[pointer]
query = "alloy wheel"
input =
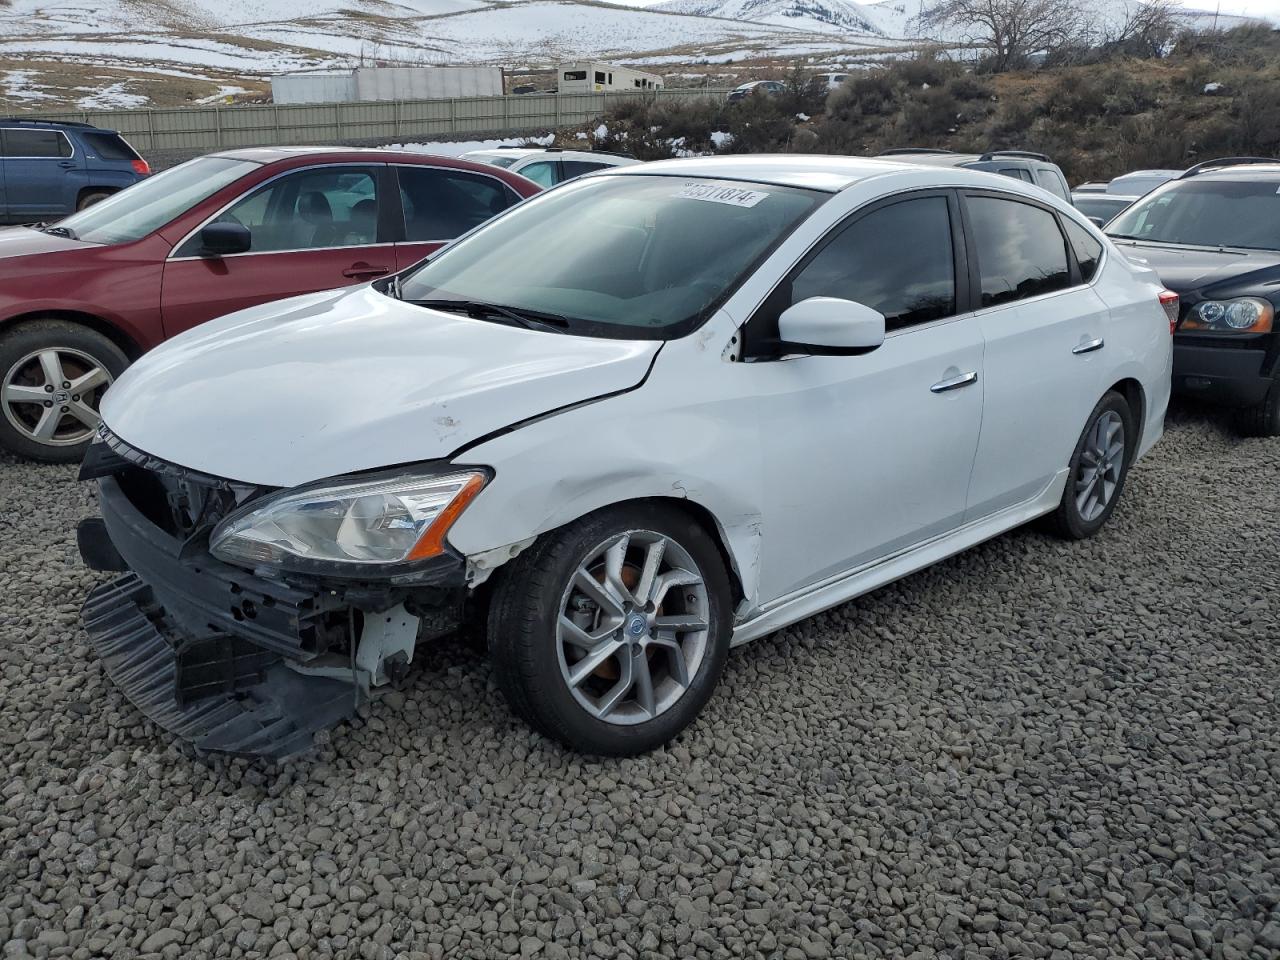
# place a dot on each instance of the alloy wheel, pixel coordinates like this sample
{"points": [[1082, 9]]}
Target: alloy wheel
{"points": [[1101, 464], [51, 396], [633, 626]]}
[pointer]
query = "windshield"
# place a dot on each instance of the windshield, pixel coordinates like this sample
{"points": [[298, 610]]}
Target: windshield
{"points": [[1208, 213], [151, 203], [631, 257]]}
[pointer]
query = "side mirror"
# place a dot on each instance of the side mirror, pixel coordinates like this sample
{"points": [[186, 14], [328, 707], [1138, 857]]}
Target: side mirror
{"points": [[222, 239], [827, 326]]}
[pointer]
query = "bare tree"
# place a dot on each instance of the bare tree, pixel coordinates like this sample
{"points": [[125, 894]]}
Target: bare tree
{"points": [[1010, 31], [1147, 28]]}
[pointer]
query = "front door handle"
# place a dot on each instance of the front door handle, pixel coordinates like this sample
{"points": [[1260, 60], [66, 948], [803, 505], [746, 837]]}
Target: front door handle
{"points": [[365, 270], [1089, 346], [955, 383], [67, 165]]}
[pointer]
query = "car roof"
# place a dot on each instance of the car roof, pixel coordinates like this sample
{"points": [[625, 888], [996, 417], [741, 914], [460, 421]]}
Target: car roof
{"points": [[1252, 171], [68, 126], [815, 172], [517, 153]]}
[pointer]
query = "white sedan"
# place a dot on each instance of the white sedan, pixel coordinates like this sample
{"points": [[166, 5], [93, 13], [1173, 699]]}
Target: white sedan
{"points": [[626, 425]]}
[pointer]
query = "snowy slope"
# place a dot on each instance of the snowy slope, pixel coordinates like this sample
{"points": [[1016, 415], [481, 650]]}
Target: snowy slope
{"points": [[824, 15]]}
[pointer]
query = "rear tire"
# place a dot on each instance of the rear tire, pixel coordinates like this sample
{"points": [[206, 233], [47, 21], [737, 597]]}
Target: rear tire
{"points": [[1262, 419], [52, 377], [627, 667], [89, 199], [1098, 468]]}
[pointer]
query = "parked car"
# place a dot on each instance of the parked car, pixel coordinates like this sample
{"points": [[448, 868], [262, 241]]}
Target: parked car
{"points": [[48, 170], [1139, 182], [1099, 207], [766, 88], [615, 459], [826, 82], [1214, 237], [81, 298], [1023, 165], [547, 166]]}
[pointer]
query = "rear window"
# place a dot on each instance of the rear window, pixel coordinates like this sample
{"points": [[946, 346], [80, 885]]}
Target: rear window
{"points": [[17, 143], [1021, 251], [109, 146]]}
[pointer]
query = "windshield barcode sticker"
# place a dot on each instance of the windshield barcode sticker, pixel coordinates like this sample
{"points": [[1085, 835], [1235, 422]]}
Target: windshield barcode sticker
{"points": [[734, 196]]}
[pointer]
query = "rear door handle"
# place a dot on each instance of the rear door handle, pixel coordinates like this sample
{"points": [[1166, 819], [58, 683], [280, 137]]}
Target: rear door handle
{"points": [[365, 270], [67, 165], [1089, 346], [955, 383]]}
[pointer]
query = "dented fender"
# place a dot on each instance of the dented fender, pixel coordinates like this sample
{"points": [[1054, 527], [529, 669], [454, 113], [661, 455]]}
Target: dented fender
{"points": [[657, 441]]}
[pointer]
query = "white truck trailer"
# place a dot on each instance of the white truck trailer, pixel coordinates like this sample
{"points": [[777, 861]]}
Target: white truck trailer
{"points": [[387, 83]]}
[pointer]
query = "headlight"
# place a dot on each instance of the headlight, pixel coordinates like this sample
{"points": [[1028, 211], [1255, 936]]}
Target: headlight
{"points": [[379, 522], [1245, 315]]}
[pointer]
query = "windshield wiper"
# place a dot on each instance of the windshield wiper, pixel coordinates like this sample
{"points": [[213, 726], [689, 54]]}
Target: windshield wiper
{"points": [[517, 316], [59, 232]]}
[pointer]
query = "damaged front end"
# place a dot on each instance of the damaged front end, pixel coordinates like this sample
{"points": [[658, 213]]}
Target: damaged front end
{"points": [[254, 659]]}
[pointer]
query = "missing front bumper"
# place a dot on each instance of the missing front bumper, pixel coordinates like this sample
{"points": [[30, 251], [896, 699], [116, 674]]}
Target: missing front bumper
{"points": [[234, 660], [261, 709]]}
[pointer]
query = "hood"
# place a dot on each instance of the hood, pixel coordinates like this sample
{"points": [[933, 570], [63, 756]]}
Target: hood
{"points": [[350, 380], [1188, 269], [25, 242]]}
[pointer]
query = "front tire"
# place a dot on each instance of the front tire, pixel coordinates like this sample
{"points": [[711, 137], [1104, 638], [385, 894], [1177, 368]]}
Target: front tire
{"points": [[1262, 419], [1099, 466], [52, 377], [610, 634]]}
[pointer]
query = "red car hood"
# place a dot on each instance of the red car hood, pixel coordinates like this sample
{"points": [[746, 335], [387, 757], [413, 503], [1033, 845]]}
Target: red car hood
{"points": [[23, 242]]}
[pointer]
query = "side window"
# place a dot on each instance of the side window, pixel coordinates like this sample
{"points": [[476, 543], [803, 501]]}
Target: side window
{"points": [[542, 173], [1017, 173], [599, 76], [576, 168], [897, 259], [1021, 252], [575, 74], [1087, 249], [1052, 181], [308, 210], [35, 143], [442, 204]]}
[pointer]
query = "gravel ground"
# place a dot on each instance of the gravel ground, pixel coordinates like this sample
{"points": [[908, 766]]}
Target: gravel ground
{"points": [[1036, 749]]}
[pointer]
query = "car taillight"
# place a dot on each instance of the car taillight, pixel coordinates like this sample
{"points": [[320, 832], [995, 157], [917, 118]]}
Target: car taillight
{"points": [[1169, 300], [141, 166]]}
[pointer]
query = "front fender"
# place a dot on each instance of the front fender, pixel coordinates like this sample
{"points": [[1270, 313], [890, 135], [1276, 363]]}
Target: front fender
{"points": [[551, 472]]}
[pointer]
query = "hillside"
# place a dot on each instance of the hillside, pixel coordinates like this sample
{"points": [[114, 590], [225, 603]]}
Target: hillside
{"points": [[126, 53]]}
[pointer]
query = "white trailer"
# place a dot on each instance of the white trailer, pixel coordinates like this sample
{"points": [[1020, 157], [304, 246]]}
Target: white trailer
{"points": [[588, 76], [427, 83], [318, 86], [387, 83]]}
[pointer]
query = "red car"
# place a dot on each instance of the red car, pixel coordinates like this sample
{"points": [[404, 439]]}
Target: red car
{"points": [[81, 298]]}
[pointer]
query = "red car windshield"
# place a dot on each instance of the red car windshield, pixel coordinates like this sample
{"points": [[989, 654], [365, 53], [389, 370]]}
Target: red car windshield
{"points": [[148, 205]]}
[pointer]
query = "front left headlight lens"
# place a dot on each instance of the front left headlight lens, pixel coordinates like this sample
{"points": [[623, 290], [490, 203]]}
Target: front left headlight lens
{"points": [[1242, 315], [387, 521]]}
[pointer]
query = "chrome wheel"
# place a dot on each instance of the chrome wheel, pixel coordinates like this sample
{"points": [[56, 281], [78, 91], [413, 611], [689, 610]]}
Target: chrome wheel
{"points": [[633, 627], [51, 396], [1101, 466]]}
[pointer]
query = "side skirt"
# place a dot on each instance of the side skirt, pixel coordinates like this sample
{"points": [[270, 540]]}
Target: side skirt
{"points": [[844, 587]]}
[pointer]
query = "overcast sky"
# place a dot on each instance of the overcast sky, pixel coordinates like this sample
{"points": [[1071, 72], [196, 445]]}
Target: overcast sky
{"points": [[1257, 8]]}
